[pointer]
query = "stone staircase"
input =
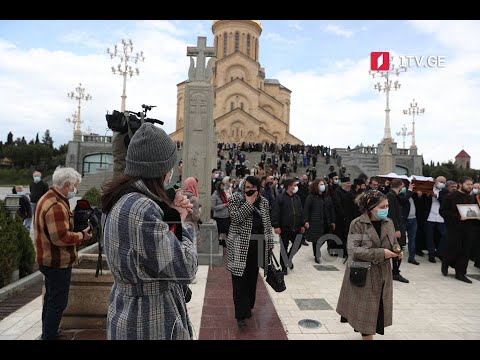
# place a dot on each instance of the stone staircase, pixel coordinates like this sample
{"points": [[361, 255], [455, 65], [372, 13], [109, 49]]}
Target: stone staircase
{"points": [[94, 180], [322, 168]]}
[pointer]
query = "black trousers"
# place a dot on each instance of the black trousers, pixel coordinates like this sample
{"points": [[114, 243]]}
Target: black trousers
{"points": [[288, 236], [57, 285], [245, 286], [396, 266]]}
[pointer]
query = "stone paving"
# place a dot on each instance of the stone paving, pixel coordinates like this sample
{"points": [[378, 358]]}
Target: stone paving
{"points": [[430, 307]]}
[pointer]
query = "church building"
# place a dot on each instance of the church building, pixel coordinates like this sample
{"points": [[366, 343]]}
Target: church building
{"points": [[248, 107]]}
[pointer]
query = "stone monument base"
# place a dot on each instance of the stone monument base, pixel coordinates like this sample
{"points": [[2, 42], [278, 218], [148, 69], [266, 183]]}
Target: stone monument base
{"points": [[209, 251]]}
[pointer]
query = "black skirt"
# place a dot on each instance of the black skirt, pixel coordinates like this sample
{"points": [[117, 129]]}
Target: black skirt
{"points": [[223, 225]]}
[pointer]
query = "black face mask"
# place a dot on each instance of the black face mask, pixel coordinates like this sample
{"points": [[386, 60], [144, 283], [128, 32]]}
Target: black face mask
{"points": [[250, 192]]}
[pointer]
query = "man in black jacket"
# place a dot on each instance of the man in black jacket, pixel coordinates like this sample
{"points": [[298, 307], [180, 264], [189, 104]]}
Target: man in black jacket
{"points": [[302, 194], [288, 221], [395, 213], [341, 229], [37, 189], [460, 230]]}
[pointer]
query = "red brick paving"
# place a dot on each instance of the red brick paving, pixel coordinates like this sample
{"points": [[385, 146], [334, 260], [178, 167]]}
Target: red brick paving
{"points": [[218, 314]]}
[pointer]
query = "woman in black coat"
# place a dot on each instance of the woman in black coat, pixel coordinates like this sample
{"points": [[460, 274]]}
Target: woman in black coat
{"points": [[318, 211]]}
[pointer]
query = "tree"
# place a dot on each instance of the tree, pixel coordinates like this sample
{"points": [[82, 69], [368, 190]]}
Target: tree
{"points": [[9, 138], [36, 140], [23, 141], [47, 139], [31, 142]]}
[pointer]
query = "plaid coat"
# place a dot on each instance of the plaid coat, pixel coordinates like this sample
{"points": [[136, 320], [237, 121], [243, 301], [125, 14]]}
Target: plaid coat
{"points": [[360, 304], [149, 265], [241, 214], [55, 241]]}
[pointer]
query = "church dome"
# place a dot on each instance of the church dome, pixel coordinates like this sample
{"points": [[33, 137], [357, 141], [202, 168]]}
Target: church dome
{"points": [[254, 21]]}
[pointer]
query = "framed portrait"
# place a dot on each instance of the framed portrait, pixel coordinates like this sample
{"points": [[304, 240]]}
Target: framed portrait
{"points": [[469, 211]]}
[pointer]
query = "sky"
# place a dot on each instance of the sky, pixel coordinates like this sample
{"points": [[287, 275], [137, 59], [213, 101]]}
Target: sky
{"points": [[325, 63]]}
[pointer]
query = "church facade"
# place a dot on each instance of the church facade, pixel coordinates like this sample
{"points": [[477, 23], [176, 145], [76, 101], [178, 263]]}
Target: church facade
{"points": [[248, 107]]}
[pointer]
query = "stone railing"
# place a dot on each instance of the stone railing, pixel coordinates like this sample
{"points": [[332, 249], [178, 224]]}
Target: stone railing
{"points": [[97, 138], [365, 150], [403, 151]]}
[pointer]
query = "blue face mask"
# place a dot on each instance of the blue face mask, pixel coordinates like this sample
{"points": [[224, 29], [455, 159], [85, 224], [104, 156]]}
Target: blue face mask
{"points": [[336, 182], [403, 191], [322, 188], [20, 193], [382, 214], [37, 179]]}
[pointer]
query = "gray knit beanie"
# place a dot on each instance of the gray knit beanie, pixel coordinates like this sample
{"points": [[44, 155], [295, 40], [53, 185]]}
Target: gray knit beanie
{"points": [[151, 153]]}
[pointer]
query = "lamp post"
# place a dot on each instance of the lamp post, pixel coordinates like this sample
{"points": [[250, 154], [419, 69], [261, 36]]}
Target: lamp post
{"points": [[412, 111], [404, 133], [78, 95], [123, 68], [386, 87], [73, 120]]}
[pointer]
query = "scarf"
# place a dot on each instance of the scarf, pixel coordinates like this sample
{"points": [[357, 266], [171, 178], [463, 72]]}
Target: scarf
{"points": [[223, 196], [190, 185]]}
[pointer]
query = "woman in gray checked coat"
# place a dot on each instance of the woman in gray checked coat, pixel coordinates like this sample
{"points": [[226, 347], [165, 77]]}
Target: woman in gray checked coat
{"points": [[371, 238], [151, 261], [250, 232]]}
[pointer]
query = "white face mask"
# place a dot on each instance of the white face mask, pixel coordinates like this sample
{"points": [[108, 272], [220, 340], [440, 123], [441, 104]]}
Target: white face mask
{"points": [[475, 191], [71, 194], [440, 185], [295, 190], [166, 183]]}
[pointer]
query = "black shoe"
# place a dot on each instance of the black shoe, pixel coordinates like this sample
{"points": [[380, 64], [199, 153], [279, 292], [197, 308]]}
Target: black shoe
{"points": [[242, 324], [304, 243], [432, 259], [413, 261], [419, 253], [291, 266], [444, 268], [400, 278], [317, 260], [463, 278], [285, 271]]}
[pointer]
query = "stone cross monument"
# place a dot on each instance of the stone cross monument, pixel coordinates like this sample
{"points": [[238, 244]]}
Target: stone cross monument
{"points": [[200, 145]]}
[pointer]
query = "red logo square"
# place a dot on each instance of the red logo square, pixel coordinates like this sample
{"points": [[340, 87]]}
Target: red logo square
{"points": [[380, 61]]}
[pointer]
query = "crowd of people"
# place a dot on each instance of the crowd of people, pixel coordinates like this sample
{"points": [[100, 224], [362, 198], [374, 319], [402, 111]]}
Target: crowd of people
{"points": [[152, 252]]}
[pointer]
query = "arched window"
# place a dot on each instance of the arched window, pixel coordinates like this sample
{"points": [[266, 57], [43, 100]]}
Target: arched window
{"points": [[248, 44], [96, 162], [237, 41], [232, 106], [256, 49], [225, 39]]}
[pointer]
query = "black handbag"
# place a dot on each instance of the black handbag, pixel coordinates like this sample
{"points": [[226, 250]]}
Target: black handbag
{"points": [[358, 273], [275, 275]]}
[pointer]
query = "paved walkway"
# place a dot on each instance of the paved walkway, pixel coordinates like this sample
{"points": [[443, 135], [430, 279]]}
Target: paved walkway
{"points": [[430, 307]]}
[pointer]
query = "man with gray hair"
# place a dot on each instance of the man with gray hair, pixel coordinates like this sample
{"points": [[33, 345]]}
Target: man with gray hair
{"points": [[56, 247], [451, 186]]}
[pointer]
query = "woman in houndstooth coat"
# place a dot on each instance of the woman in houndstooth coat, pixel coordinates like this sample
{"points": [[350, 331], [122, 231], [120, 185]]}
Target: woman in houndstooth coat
{"points": [[249, 240], [371, 238]]}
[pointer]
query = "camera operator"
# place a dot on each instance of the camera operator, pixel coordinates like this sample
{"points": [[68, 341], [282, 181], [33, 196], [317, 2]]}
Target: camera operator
{"points": [[150, 259], [56, 247], [124, 126]]}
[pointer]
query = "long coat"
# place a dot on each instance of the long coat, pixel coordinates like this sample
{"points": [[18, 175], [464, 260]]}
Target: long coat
{"points": [[318, 209], [238, 240], [360, 305], [149, 265]]}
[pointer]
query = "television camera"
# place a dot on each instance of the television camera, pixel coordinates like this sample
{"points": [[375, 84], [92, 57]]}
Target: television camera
{"points": [[129, 121]]}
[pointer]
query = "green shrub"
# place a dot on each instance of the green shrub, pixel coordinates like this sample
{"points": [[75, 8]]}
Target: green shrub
{"points": [[9, 249], [26, 250], [93, 196]]}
